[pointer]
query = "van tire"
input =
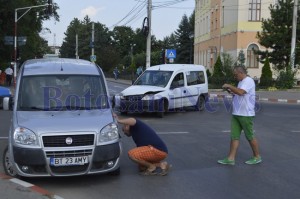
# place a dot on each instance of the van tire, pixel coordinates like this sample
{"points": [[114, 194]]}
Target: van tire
{"points": [[7, 165], [165, 106], [200, 103]]}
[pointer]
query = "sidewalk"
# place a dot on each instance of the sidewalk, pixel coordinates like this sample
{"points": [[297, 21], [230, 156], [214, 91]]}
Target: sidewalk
{"points": [[18, 189], [291, 96]]}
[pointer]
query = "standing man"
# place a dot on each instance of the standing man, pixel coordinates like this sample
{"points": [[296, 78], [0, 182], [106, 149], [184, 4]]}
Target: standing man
{"points": [[242, 116], [9, 72], [139, 71], [150, 151]]}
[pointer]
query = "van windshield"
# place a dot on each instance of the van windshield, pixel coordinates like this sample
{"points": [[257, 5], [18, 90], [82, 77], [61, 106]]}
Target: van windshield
{"points": [[154, 78], [62, 92]]}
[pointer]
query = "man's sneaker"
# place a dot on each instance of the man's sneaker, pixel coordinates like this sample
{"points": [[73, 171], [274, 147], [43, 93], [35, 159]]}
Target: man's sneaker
{"points": [[226, 161], [254, 160]]}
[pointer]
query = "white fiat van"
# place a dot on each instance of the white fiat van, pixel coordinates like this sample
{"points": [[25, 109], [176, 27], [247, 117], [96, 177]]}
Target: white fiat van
{"points": [[165, 87], [62, 123]]}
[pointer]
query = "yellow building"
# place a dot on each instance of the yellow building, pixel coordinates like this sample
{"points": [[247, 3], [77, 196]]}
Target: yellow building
{"points": [[228, 26]]}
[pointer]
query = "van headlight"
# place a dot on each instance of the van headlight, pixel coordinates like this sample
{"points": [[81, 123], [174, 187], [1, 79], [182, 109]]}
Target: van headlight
{"points": [[148, 97], [23, 136], [108, 134], [120, 96]]}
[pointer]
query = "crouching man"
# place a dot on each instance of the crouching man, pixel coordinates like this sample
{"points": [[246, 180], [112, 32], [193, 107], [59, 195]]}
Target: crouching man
{"points": [[150, 151]]}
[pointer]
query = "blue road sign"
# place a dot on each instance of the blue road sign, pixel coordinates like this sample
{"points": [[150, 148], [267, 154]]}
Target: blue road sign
{"points": [[93, 58], [171, 54]]}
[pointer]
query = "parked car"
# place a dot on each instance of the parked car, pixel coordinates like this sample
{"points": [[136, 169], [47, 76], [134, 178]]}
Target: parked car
{"points": [[164, 87], [62, 123], [4, 92]]}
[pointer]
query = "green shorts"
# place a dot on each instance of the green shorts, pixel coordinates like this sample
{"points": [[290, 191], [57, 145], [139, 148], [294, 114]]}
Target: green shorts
{"points": [[239, 123]]}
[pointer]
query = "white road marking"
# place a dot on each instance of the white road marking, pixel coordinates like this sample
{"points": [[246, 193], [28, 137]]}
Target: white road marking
{"points": [[3, 138], [21, 182], [168, 133], [226, 131], [122, 87], [229, 131], [295, 131]]}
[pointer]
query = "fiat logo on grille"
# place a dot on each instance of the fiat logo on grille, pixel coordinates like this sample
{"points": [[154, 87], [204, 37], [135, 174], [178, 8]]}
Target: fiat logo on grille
{"points": [[69, 140]]}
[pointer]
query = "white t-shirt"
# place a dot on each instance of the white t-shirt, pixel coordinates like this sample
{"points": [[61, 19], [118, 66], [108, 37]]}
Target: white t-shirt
{"points": [[245, 105]]}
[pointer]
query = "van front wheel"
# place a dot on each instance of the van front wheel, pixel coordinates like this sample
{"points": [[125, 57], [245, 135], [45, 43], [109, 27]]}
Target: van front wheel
{"points": [[200, 104], [164, 107], [7, 165]]}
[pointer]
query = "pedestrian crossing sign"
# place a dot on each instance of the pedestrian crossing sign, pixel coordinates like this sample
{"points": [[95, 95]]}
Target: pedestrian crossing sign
{"points": [[171, 53]]}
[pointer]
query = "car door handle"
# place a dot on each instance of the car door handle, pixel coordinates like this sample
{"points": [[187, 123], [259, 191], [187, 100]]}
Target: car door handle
{"points": [[184, 91]]}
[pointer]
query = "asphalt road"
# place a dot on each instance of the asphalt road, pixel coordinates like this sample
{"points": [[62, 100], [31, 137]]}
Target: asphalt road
{"points": [[196, 140]]}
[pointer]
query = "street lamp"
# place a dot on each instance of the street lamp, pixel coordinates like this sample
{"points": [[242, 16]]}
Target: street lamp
{"points": [[49, 5]]}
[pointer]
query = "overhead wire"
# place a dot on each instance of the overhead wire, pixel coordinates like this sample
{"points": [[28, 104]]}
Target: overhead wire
{"points": [[140, 10], [128, 14]]}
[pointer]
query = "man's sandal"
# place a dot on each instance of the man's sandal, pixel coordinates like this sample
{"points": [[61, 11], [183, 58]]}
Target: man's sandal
{"points": [[165, 171], [149, 173]]}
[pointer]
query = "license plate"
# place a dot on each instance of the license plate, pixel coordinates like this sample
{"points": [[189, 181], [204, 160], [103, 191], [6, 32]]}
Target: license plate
{"points": [[69, 161]]}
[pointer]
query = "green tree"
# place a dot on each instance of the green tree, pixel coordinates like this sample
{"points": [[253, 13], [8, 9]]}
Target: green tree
{"points": [[184, 35], [123, 37], [208, 73], [218, 77], [218, 72], [68, 47], [170, 42], [228, 64], [241, 58], [266, 79], [104, 47], [276, 35], [29, 26]]}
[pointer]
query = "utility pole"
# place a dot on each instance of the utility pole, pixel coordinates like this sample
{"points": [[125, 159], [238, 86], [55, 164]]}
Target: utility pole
{"points": [[293, 45], [93, 32], [76, 49], [148, 50]]}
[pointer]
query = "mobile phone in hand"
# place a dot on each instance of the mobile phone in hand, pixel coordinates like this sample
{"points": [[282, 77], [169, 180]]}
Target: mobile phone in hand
{"points": [[227, 89]]}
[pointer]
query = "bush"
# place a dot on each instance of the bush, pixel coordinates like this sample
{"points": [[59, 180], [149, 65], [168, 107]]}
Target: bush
{"points": [[266, 75], [208, 73], [286, 79]]}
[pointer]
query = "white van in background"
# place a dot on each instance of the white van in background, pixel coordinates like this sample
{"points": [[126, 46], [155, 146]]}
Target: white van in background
{"points": [[165, 87]]}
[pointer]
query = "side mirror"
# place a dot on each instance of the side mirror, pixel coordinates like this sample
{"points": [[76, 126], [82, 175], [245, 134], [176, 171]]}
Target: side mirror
{"points": [[7, 103]]}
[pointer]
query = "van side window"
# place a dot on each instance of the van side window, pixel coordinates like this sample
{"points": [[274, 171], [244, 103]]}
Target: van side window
{"points": [[195, 77], [178, 81]]}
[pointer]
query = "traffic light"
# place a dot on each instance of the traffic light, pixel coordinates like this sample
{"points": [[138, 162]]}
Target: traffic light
{"points": [[50, 7], [145, 29]]}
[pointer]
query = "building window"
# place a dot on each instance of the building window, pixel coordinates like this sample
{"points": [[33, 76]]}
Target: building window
{"points": [[254, 10], [252, 59]]}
